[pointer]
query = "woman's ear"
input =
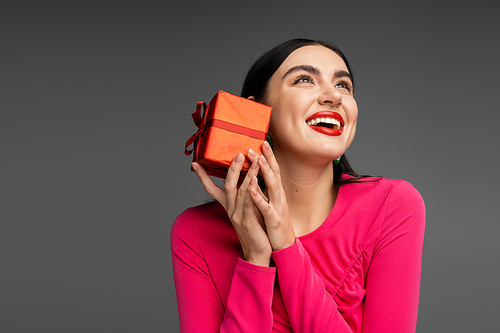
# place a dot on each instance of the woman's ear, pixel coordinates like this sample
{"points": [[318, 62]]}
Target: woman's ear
{"points": [[252, 98]]}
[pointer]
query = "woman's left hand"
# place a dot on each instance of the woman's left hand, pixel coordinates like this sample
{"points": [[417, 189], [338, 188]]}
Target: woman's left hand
{"points": [[274, 209]]}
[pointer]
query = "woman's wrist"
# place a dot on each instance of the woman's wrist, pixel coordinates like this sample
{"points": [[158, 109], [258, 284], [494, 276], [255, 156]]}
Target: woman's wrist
{"points": [[258, 261], [284, 244]]}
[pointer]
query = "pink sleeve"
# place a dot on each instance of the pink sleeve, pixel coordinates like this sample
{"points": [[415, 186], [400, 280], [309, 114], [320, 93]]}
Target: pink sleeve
{"points": [[393, 280], [250, 298], [199, 304], [309, 305]]}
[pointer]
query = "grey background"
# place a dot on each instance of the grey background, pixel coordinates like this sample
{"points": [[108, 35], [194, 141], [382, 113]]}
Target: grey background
{"points": [[95, 109]]}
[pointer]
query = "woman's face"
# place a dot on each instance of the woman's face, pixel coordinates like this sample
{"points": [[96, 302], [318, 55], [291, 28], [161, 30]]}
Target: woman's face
{"points": [[314, 112]]}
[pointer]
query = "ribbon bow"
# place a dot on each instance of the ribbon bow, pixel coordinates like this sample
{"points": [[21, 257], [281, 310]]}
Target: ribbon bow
{"points": [[199, 121]]}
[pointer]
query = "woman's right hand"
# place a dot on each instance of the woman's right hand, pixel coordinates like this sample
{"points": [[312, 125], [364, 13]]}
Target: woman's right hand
{"points": [[244, 215]]}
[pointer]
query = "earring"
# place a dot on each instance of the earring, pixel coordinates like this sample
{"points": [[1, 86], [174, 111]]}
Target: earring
{"points": [[337, 161]]}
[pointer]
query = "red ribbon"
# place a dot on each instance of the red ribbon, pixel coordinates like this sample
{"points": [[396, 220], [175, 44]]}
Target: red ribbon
{"points": [[201, 123], [236, 129]]}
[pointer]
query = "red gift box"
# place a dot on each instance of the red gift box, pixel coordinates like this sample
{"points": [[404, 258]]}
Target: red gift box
{"points": [[230, 125]]}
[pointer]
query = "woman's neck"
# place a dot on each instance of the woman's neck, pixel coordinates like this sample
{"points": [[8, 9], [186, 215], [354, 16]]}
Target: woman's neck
{"points": [[309, 192]]}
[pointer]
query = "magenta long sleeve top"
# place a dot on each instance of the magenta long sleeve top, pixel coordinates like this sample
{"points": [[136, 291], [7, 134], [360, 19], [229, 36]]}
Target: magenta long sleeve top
{"points": [[358, 272]]}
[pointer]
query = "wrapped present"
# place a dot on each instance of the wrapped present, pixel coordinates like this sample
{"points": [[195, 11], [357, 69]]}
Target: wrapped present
{"points": [[229, 125]]}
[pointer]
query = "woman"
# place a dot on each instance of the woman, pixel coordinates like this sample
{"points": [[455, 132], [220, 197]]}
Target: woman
{"points": [[318, 248]]}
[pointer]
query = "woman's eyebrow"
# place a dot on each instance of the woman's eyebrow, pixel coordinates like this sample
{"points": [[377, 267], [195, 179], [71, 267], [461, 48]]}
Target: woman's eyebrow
{"points": [[339, 74], [307, 68], [315, 71]]}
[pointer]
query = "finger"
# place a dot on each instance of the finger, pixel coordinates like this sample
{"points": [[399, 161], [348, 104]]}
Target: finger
{"points": [[259, 201], [272, 178], [259, 190], [257, 186], [243, 190], [271, 159], [231, 182], [252, 155], [251, 210], [215, 191]]}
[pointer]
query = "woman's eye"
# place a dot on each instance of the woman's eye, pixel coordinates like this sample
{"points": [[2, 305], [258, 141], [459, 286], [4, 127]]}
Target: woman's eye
{"points": [[303, 79], [344, 85]]}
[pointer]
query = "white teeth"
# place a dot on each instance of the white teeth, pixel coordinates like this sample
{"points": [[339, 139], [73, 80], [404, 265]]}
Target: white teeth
{"points": [[315, 121]]}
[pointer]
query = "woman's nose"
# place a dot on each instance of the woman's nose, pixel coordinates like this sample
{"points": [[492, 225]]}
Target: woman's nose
{"points": [[330, 96]]}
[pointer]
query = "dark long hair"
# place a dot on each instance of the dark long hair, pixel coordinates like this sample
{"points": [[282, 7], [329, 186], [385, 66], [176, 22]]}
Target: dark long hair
{"points": [[257, 81]]}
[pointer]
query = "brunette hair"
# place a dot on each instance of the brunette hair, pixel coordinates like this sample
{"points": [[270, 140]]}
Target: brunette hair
{"points": [[257, 81]]}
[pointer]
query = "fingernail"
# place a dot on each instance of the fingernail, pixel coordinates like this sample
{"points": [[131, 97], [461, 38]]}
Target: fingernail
{"points": [[263, 159], [251, 152], [253, 191], [253, 180], [194, 167], [239, 158], [254, 165], [267, 146]]}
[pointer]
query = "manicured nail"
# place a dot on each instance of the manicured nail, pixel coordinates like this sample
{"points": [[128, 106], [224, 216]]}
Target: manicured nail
{"points": [[251, 152], [267, 145], [194, 166], [253, 180], [253, 191], [254, 165], [263, 159], [239, 158]]}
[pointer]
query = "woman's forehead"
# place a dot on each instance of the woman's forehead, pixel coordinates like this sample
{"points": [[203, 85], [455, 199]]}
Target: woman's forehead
{"points": [[315, 55]]}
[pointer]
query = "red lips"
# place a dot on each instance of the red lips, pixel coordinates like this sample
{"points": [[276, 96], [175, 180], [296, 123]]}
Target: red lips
{"points": [[326, 130]]}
